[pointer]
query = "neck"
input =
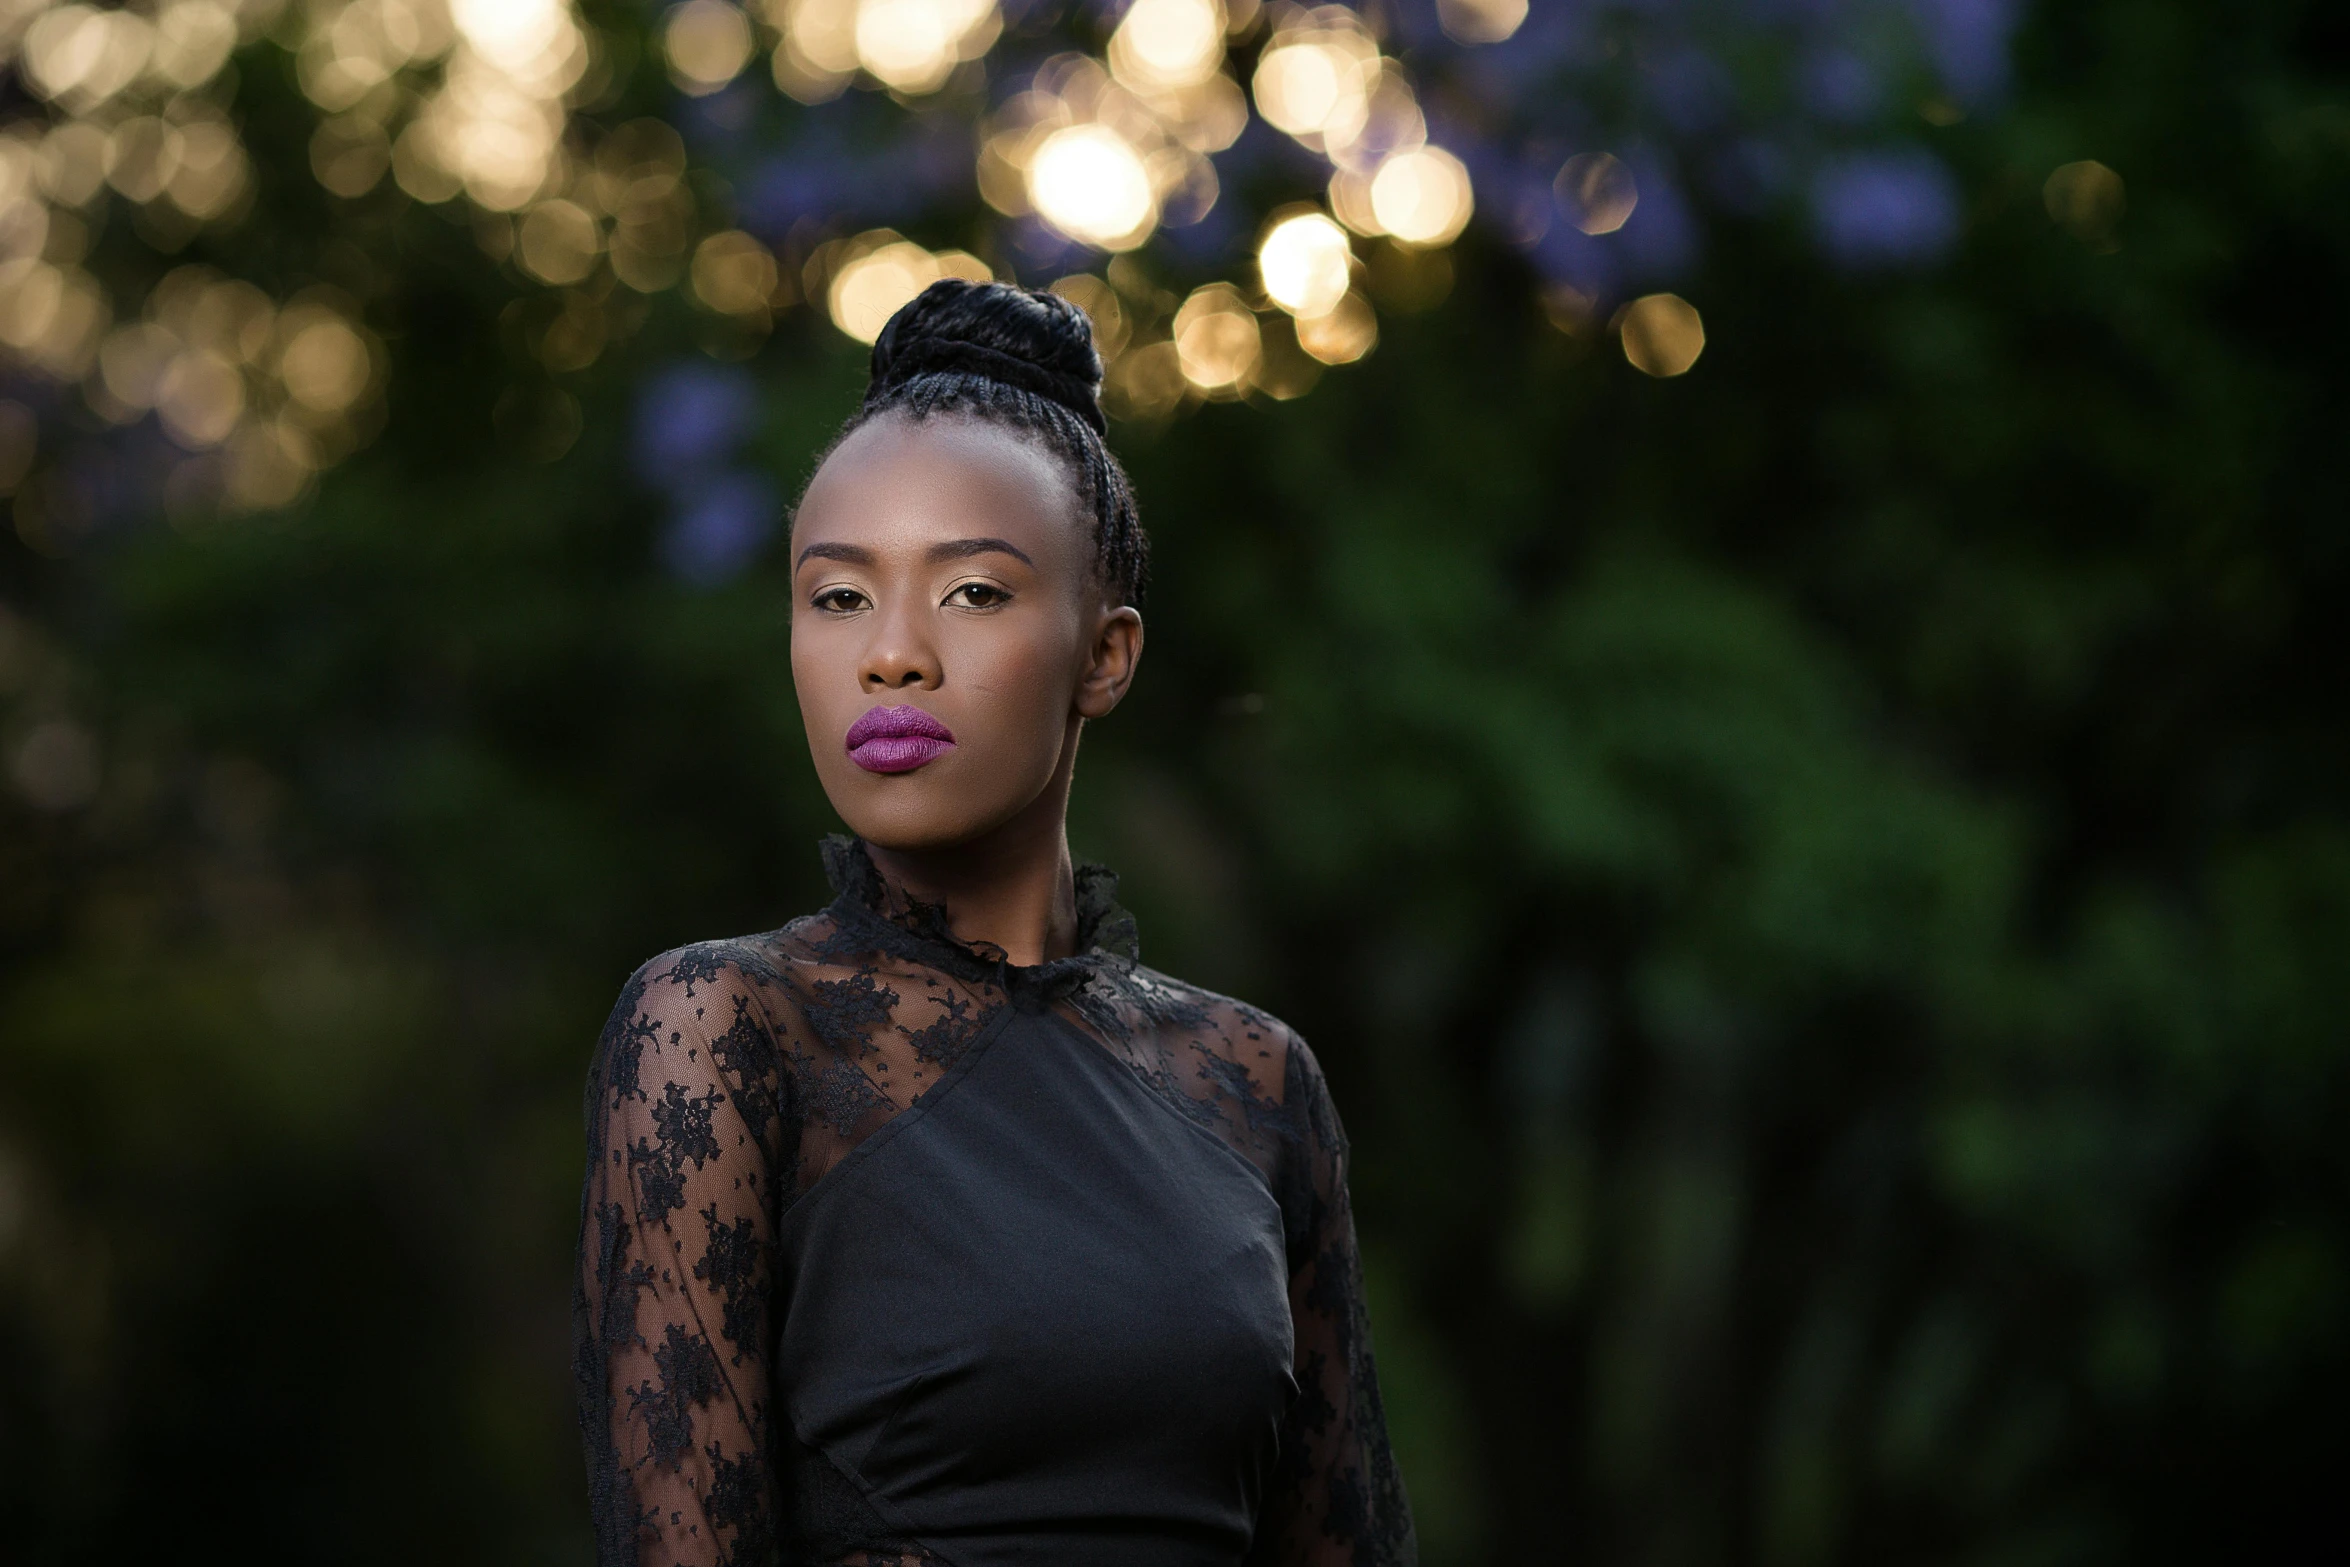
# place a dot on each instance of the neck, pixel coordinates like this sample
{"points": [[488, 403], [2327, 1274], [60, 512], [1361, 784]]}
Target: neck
{"points": [[1014, 887]]}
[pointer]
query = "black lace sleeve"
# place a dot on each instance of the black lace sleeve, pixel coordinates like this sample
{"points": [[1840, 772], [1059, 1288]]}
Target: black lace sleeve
{"points": [[1337, 1500], [672, 1341]]}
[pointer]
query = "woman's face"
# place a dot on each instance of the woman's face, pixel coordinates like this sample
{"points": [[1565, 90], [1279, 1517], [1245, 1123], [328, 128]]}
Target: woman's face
{"points": [[949, 631]]}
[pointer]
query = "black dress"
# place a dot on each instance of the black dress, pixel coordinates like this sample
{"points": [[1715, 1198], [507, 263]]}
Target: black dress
{"points": [[893, 1252]]}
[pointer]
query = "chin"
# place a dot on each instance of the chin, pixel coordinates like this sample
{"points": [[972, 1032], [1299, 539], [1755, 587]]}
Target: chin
{"points": [[916, 820]]}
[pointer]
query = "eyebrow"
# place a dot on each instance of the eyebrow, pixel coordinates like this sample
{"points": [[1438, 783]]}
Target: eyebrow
{"points": [[952, 549], [961, 549], [851, 553]]}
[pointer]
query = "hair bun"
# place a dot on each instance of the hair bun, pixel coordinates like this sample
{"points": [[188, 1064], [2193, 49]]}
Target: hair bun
{"points": [[1021, 337]]}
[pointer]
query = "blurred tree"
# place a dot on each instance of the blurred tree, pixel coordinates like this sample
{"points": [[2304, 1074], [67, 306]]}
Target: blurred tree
{"points": [[1837, 860]]}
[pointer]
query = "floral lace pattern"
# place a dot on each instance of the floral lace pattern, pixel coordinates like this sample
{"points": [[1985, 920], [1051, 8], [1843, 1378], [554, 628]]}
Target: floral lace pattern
{"points": [[733, 1076]]}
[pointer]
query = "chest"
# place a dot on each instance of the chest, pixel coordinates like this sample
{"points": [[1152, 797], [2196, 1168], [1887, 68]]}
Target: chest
{"points": [[1040, 1277]]}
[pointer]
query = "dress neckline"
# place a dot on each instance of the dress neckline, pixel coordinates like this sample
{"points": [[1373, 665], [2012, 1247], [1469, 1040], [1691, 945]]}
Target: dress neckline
{"points": [[879, 913]]}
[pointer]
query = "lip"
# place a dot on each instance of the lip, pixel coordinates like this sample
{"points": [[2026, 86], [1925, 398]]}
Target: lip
{"points": [[897, 739]]}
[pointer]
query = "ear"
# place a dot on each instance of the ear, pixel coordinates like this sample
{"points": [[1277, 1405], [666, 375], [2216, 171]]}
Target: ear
{"points": [[1110, 664]]}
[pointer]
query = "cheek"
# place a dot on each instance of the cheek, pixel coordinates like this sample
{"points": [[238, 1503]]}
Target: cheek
{"points": [[1024, 683], [823, 676]]}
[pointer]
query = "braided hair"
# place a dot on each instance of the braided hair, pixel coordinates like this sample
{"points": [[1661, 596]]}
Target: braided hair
{"points": [[1022, 359]]}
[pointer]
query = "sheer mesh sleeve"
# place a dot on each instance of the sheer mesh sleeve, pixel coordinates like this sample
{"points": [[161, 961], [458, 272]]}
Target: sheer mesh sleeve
{"points": [[677, 1228], [1336, 1498]]}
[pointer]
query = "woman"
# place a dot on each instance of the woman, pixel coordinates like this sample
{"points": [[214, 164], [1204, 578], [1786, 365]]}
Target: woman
{"points": [[933, 1227]]}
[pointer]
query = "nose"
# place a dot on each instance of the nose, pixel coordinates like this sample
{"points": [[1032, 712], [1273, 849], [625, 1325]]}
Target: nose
{"points": [[900, 656]]}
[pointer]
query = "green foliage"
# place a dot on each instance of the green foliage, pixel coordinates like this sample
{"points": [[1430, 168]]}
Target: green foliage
{"points": [[1822, 886]]}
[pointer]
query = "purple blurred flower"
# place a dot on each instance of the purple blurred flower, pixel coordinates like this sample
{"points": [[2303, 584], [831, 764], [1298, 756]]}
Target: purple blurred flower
{"points": [[689, 418], [822, 176], [719, 121], [1967, 42], [1568, 255], [720, 528], [1691, 91], [1555, 34], [1839, 86], [1523, 209], [1659, 240], [1750, 174], [1892, 208], [1214, 235], [1046, 249]]}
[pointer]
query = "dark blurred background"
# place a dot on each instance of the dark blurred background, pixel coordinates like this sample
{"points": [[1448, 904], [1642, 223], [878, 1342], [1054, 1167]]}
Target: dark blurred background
{"points": [[1773, 706]]}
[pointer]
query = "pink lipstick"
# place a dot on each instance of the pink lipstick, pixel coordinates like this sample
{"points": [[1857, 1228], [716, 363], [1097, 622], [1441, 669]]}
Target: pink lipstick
{"points": [[897, 739]]}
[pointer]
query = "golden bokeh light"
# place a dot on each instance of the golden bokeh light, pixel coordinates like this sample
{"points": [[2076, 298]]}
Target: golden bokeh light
{"points": [[193, 40], [1422, 196], [20, 443], [575, 337], [205, 310], [144, 156], [913, 46], [1164, 44], [1216, 340], [1314, 79], [19, 168], [78, 56], [963, 264], [132, 360], [1596, 191], [1350, 200], [350, 154], [1342, 334], [558, 242], [816, 48], [639, 178], [134, 112], [1305, 264], [1103, 161], [1568, 308], [212, 175], [1091, 184], [1002, 170], [56, 764], [269, 465], [2087, 199], [1147, 383], [326, 364], [73, 162], [878, 273], [1284, 370], [130, 132], [1392, 123], [1102, 307], [707, 43], [29, 288], [199, 398], [1662, 333], [1481, 21], [734, 274], [353, 48], [494, 127], [52, 316]]}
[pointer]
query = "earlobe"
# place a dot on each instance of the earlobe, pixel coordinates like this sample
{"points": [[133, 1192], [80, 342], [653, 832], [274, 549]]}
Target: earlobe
{"points": [[1117, 649]]}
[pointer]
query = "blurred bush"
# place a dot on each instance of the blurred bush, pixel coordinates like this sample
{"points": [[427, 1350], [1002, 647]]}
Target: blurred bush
{"points": [[1821, 881]]}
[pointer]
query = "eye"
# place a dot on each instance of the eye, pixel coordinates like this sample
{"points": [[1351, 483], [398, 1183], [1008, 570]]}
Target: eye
{"points": [[977, 595], [839, 601]]}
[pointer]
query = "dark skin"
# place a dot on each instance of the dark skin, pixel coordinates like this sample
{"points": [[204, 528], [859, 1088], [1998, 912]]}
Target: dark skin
{"points": [[946, 565]]}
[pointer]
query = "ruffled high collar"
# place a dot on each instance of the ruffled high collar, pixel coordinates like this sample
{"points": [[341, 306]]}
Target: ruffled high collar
{"points": [[881, 914]]}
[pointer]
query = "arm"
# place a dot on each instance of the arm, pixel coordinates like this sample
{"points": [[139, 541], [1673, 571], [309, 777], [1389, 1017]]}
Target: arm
{"points": [[671, 1337], [1336, 1500]]}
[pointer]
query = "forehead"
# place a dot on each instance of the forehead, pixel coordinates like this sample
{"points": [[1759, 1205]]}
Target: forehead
{"points": [[898, 483]]}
